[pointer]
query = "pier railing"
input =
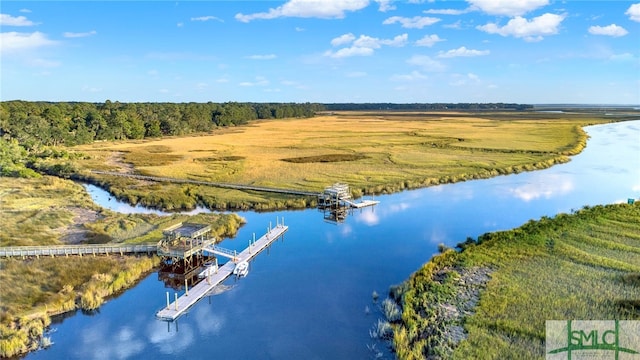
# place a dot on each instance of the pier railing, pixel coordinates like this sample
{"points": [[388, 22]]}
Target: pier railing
{"points": [[66, 250]]}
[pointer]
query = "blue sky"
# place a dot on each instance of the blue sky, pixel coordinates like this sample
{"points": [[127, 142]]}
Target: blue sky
{"points": [[524, 51]]}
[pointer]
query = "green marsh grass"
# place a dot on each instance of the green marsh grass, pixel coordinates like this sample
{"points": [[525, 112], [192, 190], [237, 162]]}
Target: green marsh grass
{"points": [[574, 266]]}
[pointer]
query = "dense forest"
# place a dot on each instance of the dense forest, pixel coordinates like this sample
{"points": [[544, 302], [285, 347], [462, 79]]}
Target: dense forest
{"points": [[72, 123]]}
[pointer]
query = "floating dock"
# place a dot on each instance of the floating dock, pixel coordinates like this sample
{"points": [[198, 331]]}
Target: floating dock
{"points": [[181, 304]]}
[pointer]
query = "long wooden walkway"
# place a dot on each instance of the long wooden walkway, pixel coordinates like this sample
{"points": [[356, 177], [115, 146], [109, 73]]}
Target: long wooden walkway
{"points": [[66, 250], [208, 183], [173, 310]]}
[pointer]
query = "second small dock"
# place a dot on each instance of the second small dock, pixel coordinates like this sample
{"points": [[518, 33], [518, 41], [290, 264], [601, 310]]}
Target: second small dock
{"points": [[181, 304]]}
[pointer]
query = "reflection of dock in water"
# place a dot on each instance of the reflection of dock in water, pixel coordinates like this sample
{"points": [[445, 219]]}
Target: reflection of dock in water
{"points": [[173, 310], [336, 202]]}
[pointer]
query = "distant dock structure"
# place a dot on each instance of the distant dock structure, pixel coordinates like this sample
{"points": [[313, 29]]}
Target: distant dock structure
{"points": [[335, 201]]}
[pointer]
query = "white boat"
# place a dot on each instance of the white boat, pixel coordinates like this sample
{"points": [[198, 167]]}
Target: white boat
{"points": [[241, 269]]}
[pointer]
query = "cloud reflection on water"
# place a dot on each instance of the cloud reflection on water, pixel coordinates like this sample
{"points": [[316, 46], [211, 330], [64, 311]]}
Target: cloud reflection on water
{"points": [[544, 186], [170, 341], [100, 342], [373, 215]]}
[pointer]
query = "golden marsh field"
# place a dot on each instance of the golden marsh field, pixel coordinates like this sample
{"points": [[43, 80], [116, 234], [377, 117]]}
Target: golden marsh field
{"points": [[372, 152]]}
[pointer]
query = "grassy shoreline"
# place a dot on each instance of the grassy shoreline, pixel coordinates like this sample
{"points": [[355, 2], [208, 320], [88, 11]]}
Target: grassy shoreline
{"points": [[56, 211], [584, 265]]}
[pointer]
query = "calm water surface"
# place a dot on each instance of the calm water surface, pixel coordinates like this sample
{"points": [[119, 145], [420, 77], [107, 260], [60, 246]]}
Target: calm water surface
{"points": [[307, 298]]}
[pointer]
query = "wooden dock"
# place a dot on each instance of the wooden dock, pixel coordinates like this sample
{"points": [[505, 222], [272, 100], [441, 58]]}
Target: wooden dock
{"points": [[181, 304], [207, 183], [361, 204], [79, 250]]}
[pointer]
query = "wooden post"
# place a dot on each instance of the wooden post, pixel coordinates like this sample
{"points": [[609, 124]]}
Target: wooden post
{"points": [[216, 265], [254, 238], [186, 288], [176, 294], [168, 303]]}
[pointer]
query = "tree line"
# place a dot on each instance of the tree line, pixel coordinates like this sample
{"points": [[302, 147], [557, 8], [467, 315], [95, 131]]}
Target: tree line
{"points": [[426, 106], [73, 123]]}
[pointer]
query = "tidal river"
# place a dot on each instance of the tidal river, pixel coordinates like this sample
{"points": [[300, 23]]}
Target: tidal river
{"points": [[310, 296]]}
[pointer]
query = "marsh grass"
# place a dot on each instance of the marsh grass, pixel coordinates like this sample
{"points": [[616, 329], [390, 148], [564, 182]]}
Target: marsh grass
{"points": [[574, 266], [326, 158], [39, 211], [372, 152]]}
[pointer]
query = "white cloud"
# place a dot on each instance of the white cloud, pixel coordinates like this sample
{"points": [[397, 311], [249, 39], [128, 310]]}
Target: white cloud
{"points": [[79, 35], [16, 42], [426, 63], [413, 76], [206, 18], [464, 80], [259, 81], [447, 11], [508, 7], [348, 52], [8, 20], [416, 22], [609, 30], [343, 39], [324, 9], [385, 5], [26, 11], [262, 57], [462, 52], [429, 40], [622, 57], [364, 45], [634, 12], [530, 30], [376, 43], [456, 25]]}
